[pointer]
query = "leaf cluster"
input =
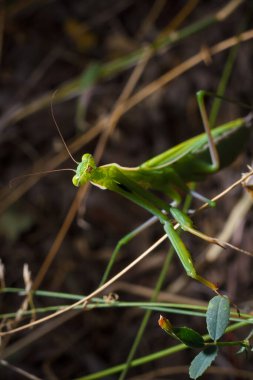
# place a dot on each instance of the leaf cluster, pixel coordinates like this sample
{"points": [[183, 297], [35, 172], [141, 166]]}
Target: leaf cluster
{"points": [[217, 320]]}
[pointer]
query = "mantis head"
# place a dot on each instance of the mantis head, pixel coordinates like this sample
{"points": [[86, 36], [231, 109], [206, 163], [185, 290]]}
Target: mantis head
{"points": [[84, 170]]}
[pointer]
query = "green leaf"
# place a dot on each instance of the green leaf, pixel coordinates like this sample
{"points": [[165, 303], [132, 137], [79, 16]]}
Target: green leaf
{"points": [[202, 361], [189, 337], [217, 316]]}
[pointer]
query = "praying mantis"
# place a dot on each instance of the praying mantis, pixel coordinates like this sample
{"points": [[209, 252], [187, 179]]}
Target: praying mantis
{"points": [[170, 173]]}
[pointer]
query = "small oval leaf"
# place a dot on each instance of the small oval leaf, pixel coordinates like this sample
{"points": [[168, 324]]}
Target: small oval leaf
{"points": [[217, 316], [202, 361], [189, 337]]}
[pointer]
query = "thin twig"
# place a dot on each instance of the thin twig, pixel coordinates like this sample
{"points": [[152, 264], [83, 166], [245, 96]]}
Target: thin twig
{"points": [[86, 299]]}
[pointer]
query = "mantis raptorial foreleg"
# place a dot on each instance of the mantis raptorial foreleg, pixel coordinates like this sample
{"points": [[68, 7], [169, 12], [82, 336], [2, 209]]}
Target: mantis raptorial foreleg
{"points": [[131, 235], [147, 200]]}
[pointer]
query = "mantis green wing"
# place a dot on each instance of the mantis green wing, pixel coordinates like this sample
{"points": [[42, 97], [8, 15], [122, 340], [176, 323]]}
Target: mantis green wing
{"points": [[228, 139]]}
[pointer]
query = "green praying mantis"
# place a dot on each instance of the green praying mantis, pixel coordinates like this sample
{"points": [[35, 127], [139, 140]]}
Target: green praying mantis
{"points": [[170, 173]]}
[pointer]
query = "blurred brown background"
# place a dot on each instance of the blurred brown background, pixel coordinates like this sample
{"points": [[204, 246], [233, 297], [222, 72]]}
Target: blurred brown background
{"points": [[44, 45]]}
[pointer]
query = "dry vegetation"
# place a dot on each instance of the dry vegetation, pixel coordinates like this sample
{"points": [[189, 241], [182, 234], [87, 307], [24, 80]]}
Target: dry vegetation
{"points": [[125, 115]]}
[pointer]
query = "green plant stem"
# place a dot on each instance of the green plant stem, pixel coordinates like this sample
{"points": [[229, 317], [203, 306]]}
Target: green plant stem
{"points": [[156, 292], [74, 87], [149, 358], [166, 307], [135, 363], [148, 313]]}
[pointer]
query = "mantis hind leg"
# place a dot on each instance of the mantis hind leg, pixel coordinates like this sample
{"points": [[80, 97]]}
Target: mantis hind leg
{"points": [[212, 148]]}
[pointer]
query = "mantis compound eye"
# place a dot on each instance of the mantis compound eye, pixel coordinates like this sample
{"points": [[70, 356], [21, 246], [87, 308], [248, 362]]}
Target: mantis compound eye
{"points": [[76, 180], [88, 162]]}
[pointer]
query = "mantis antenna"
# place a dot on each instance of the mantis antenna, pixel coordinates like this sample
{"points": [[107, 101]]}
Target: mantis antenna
{"points": [[13, 180], [58, 129], [11, 183]]}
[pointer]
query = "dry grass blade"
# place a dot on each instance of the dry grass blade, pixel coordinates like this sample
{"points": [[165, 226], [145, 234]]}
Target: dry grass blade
{"points": [[72, 89], [180, 17], [19, 371], [86, 299], [185, 66], [236, 216], [153, 14], [105, 61]]}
